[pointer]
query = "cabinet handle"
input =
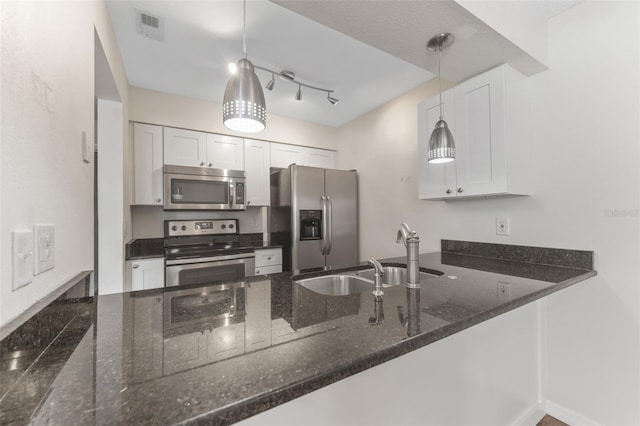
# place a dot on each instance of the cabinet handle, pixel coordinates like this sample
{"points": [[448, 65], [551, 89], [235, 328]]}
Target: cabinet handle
{"points": [[210, 164], [257, 271], [269, 258], [135, 266], [460, 190], [202, 163], [448, 191], [158, 200]]}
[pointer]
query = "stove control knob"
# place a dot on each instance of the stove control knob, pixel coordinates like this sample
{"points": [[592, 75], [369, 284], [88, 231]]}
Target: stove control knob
{"points": [[174, 228], [223, 226], [184, 228], [231, 226]]}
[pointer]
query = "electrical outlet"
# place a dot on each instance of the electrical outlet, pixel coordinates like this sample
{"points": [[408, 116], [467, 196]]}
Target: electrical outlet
{"points": [[502, 225], [504, 290]]}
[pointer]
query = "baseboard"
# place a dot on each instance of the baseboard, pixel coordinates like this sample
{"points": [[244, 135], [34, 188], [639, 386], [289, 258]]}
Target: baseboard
{"points": [[568, 416], [531, 416]]}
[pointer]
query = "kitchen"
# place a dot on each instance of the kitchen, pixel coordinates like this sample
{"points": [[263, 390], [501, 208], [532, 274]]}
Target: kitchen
{"points": [[584, 198]]}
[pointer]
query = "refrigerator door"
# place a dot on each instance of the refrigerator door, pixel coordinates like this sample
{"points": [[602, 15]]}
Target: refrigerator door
{"points": [[307, 189], [341, 187]]}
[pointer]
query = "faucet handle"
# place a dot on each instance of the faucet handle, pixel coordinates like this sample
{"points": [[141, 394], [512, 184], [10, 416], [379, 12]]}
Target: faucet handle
{"points": [[377, 266]]}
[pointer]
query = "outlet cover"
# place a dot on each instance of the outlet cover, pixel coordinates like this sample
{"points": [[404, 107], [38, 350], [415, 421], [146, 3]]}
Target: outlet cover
{"points": [[22, 251], [502, 225], [44, 248]]}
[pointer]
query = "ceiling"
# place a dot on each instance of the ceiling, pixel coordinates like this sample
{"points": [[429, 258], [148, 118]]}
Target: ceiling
{"points": [[327, 43]]}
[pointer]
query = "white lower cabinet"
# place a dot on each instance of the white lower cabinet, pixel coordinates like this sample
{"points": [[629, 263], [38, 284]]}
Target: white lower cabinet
{"points": [[487, 117], [145, 274], [225, 342], [268, 261]]}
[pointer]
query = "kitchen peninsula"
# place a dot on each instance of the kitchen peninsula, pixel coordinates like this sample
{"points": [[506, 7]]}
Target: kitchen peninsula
{"points": [[144, 360]]}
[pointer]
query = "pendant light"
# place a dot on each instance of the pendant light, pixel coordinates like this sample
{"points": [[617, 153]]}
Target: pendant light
{"points": [[243, 107], [442, 149]]}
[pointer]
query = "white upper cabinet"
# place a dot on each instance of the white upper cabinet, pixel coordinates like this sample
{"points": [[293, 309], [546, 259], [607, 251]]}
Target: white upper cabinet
{"points": [[185, 147], [487, 116], [199, 149], [257, 160], [147, 164], [283, 155], [224, 152]]}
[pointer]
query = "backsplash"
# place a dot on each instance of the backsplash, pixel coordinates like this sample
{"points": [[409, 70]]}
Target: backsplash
{"points": [[148, 221]]}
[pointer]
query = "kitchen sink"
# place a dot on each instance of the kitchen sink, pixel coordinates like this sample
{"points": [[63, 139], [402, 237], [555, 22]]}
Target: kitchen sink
{"points": [[337, 285], [393, 275]]}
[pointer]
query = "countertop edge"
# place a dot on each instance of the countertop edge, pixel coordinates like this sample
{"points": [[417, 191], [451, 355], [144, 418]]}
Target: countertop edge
{"points": [[267, 400]]}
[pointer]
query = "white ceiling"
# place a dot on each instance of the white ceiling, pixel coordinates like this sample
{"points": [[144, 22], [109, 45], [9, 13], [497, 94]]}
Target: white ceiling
{"points": [[328, 43]]}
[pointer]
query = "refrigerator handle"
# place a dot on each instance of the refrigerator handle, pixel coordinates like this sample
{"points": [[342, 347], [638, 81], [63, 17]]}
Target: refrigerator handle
{"points": [[324, 224], [329, 224]]}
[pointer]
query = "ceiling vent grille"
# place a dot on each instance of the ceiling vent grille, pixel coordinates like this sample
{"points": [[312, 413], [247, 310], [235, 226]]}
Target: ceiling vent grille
{"points": [[149, 26]]}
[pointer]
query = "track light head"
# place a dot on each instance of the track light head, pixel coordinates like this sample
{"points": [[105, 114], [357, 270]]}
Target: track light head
{"points": [[299, 94], [331, 99], [271, 82]]}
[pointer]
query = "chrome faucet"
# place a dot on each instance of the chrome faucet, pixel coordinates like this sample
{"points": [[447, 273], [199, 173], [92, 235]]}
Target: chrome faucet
{"points": [[412, 243], [379, 272]]}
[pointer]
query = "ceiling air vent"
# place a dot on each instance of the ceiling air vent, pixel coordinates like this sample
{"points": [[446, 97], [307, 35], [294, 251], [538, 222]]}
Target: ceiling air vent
{"points": [[149, 26]]}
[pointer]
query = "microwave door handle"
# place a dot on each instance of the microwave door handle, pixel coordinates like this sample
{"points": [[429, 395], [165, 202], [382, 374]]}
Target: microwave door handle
{"points": [[324, 224], [232, 194], [329, 224]]}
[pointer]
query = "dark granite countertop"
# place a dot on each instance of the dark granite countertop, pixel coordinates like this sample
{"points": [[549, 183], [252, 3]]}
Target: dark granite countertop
{"points": [[150, 358]]}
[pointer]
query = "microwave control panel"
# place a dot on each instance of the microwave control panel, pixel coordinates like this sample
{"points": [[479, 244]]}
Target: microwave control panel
{"points": [[178, 228]]}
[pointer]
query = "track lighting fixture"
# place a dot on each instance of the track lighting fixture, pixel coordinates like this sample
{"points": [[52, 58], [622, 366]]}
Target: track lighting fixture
{"points": [[331, 99], [299, 93], [290, 76]]}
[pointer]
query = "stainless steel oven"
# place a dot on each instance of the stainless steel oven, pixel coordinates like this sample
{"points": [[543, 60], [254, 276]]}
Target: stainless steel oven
{"points": [[205, 252], [202, 188], [195, 309]]}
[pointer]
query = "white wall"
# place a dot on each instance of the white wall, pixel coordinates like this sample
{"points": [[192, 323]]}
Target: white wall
{"points": [[584, 128], [149, 106], [47, 101]]}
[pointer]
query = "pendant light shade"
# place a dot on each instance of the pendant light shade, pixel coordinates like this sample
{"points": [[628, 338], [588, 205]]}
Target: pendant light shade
{"points": [[442, 148], [243, 107]]}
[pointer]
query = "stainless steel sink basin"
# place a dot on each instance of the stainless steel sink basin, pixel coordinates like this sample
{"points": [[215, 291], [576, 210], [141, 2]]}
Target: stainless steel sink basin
{"points": [[337, 285], [393, 275]]}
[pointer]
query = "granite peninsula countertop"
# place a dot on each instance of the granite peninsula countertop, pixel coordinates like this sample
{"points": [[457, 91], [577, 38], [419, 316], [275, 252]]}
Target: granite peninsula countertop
{"points": [[149, 358]]}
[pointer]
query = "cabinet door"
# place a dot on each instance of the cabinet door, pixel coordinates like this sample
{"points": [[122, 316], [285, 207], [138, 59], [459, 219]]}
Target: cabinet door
{"points": [[258, 320], [225, 152], [225, 342], [146, 350], [185, 351], [147, 164], [257, 160], [319, 158], [480, 137], [284, 155], [147, 274], [184, 147], [437, 180]]}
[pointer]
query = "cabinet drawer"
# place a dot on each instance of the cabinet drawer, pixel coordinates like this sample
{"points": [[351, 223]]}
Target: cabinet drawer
{"points": [[264, 270], [268, 257]]}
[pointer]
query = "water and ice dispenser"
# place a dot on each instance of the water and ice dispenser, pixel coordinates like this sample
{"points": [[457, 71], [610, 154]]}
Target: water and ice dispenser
{"points": [[310, 225]]}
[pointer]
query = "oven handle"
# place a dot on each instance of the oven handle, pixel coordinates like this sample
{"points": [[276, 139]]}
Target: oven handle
{"points": [[210, 259]]}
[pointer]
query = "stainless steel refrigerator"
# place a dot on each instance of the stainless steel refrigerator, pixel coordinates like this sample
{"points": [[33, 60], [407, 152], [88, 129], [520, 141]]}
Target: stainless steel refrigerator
{"points": [[314, 216]]}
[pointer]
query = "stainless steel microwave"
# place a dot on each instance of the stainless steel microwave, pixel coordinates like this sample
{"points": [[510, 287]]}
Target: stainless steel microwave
{"points": [[202, 188]]}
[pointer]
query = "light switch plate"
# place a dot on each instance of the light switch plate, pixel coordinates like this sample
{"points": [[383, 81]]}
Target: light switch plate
{"points": [[44, 248], [87, 148], [22, 254]]}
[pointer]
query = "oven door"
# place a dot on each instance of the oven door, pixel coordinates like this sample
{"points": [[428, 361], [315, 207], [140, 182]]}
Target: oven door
{"points": [[219, 269]]}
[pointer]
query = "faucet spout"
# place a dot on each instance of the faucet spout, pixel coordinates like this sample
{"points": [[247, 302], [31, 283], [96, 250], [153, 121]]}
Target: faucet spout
{"points": [[412, 243], [379, 272]]}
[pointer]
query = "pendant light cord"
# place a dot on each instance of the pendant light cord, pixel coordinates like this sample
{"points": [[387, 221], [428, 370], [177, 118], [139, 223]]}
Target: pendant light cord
{"points": [[244, 29], [439, 78]]}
